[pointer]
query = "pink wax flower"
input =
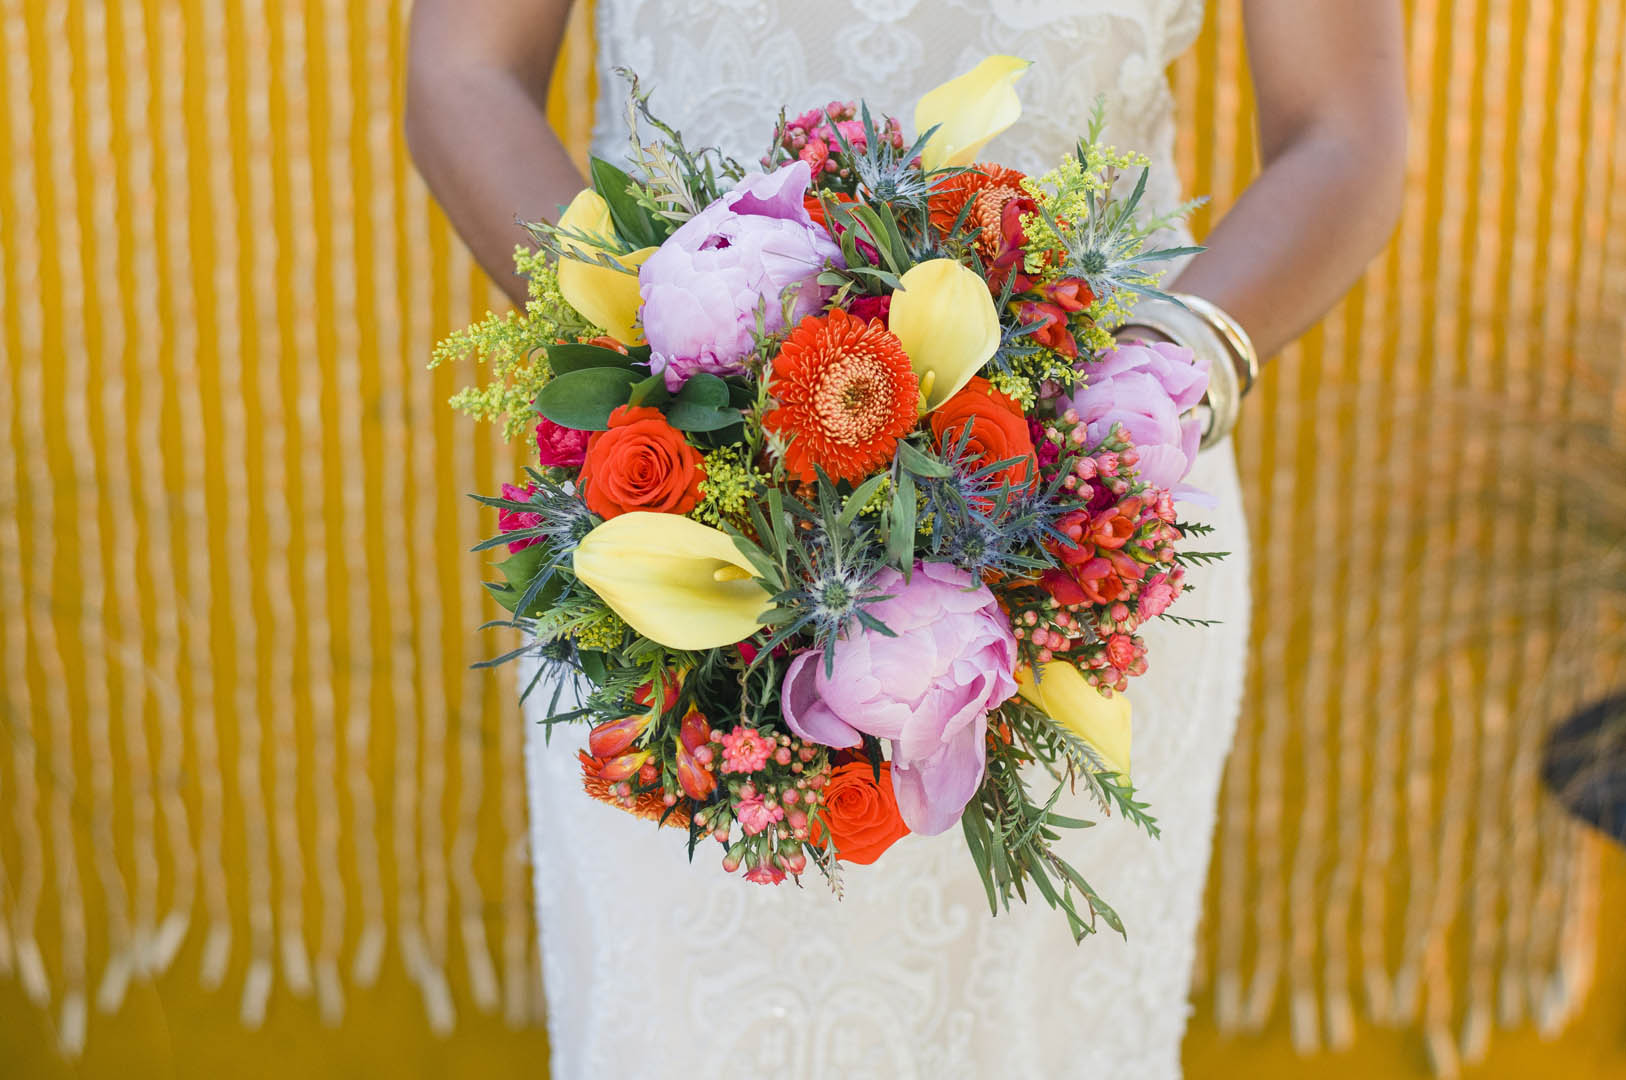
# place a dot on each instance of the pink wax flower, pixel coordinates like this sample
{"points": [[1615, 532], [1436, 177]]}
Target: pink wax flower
{"points": [[754, 815], [1145, 388], [735, 260], [559, 446], [513, 520], [745, 750], [929, 689], [765, 874]]}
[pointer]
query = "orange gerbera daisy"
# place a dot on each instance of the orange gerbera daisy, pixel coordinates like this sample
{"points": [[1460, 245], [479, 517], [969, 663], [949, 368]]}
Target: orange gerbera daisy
{"points": [[846, 396]]}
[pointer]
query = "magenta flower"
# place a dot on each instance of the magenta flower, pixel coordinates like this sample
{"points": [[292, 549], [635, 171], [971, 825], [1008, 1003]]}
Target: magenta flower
{"points": [[512, 520], [735, 260], [559, 446], [929, 689], [1146, 388]]}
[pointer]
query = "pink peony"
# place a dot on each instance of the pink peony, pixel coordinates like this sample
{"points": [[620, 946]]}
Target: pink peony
{"points": [[735, 260], [1146, 388], [929, 689], [513, 520], [559, 446], [754, 815]]}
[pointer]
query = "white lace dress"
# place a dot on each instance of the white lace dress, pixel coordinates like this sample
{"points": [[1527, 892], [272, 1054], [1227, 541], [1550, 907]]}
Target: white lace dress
{"points": [[656, 968]]}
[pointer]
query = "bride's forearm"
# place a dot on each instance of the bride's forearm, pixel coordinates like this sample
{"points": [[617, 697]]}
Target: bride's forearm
{"points": [[476, 121], [1300, 235], [1330, 81]]}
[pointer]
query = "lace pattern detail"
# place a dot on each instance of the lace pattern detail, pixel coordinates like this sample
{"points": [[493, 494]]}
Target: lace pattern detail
{"points": [[657, 968]]}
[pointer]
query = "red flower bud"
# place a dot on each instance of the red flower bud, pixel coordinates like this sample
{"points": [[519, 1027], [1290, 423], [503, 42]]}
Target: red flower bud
{"points": [[694, 778], [696, 730], [623, 766], [614, 736], [1069, 294]]}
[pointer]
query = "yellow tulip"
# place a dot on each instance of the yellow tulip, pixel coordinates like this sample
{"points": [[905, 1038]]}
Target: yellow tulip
{"points": [[672, 579], [605, 297], [969, 111], [1070, 701], [946, 321]]}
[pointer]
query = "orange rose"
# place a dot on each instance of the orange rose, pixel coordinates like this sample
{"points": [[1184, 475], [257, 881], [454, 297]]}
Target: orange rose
{"points": [[640, 463], [862, 814], [998, 432]]}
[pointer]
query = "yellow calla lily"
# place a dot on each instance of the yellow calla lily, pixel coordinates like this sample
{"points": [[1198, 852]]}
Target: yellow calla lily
{"points": [[672, 579], [946, 321], [1070, 701], [605, 297], [970, 110]]}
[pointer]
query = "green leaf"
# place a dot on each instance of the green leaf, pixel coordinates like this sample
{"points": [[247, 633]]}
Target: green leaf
{"points": [[520, 571], [633, 223], [920, 464], [584, 399], [900, 538], [570, 356], [650, 391], [860, 498], [702, 405]]}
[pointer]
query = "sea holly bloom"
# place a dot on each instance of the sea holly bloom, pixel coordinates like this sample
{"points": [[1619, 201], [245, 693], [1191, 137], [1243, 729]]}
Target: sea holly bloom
{"points": [[515, 520], [988, 428], [745, 750], [846, 395]]}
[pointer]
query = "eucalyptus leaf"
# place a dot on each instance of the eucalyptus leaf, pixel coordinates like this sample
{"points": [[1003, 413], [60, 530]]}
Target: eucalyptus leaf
{"points": [[584, 399]]}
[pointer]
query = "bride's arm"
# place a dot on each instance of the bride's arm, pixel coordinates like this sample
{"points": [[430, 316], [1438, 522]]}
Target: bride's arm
{"points": [[476, 123], [1331, 88]]}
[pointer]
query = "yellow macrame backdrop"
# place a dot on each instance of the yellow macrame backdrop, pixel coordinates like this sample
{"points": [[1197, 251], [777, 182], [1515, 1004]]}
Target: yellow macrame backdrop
{"points": [[258, 819]]}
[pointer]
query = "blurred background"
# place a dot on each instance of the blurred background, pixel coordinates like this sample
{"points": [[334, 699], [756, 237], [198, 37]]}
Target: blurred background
{"points": [[258, 818]]}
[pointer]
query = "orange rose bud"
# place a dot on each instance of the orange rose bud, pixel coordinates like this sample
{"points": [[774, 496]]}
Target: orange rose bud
{"points": [[615, 736], [694, 778], [640, 463], [860, 812]]}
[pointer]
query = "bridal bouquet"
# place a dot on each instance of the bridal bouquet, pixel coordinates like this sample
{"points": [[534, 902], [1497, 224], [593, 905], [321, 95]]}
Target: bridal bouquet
{"points": [[846, 512]]}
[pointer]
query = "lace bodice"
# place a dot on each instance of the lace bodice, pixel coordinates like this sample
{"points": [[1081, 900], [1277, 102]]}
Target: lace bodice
{"points": [[721, 68], [658, 968]]}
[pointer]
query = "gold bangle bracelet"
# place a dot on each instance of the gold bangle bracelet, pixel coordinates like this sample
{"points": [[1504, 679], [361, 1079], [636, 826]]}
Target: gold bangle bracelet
{"points": [[1246, 356], [1185, 327]]}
